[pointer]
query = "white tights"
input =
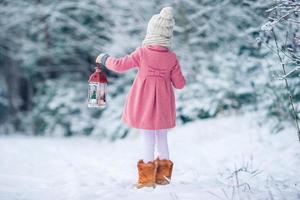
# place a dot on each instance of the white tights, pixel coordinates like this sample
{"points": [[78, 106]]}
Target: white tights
{"points": [[152, 138]]}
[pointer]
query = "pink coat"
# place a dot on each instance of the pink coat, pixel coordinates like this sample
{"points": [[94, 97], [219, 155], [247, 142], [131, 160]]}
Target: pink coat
{"points": [[150, 103]]}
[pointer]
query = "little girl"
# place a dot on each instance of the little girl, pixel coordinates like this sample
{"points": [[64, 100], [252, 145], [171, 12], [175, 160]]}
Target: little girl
{"points": [[150, 104]]}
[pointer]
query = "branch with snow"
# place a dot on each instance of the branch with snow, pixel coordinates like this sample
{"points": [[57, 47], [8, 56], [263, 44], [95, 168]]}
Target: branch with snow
{"points": [[289, 74]]}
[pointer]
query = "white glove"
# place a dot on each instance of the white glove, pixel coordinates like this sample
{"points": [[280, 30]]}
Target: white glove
{"points": [[101, 59]]}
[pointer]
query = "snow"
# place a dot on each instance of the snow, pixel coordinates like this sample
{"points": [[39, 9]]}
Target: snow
{"points": [[209, 155], [268, 26]]}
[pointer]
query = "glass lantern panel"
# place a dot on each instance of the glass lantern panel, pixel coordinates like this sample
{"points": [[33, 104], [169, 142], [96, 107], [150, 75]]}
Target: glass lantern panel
{"points": [[92, 94], [102, 94]]}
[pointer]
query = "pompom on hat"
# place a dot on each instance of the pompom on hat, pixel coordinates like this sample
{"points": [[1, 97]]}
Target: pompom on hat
{"points": [[160, 28]]}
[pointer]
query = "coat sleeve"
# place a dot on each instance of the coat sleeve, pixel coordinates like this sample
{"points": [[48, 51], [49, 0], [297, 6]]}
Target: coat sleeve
{"points": [[177, 77], [122, 64]]}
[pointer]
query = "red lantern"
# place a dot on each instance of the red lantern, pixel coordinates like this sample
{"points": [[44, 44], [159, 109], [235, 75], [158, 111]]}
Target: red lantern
{"points": [[97, 88]]}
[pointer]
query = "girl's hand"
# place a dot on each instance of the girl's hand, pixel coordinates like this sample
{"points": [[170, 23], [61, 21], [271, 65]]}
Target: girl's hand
{"points": [[99, 58]]}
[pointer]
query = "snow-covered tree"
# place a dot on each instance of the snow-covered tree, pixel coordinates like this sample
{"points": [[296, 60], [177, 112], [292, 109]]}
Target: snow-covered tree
{"points": [[281, 37], [43, 39]]}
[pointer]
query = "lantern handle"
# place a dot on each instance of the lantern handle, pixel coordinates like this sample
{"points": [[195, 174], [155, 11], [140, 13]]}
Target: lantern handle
{"points": [[99, 66]]}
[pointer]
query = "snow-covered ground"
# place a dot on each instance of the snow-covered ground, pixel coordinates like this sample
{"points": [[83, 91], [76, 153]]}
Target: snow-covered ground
{"points": [[223, 158]]}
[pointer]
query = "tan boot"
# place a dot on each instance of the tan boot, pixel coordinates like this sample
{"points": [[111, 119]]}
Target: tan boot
{"points": [[164, 171], [146, 173]]}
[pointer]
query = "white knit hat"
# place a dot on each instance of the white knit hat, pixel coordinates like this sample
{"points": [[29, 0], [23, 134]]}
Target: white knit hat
{"points": [[160, 28]]}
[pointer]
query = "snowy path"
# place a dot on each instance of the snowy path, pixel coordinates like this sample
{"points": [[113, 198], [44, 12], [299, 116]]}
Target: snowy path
{"points": [[206, 154]]}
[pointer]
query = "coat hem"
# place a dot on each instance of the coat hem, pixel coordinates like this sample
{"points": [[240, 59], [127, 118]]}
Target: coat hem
{"points": [[147, 128]]}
